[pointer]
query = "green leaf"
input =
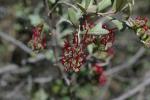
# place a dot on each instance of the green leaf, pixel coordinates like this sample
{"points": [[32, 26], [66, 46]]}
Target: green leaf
{"points": [[127, 11], [98, 30], [73, 17], [40, 95], [88, 3], [35, 19], [90, 48], [119, 4], [83, 3], [81, 8], [92, 9], [118, 24], [50, 55], [103, 5], [130, 8]]}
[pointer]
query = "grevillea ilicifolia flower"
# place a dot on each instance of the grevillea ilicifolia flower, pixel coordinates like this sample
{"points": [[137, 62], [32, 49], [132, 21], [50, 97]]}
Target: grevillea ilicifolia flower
{"points": [[142, 30], [38, 41], [74, 54], [109, 38], [86, 23], [102, 79], [100, 71], [140, 22], [110, 51]]}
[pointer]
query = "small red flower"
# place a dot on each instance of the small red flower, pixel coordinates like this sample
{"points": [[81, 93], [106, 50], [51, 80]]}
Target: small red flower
{"points": [[102, 79], [87, 23], [145, 27], [110, 51], [98, 69], [108, 38], [140, 21], [44, 42], [141, 18]]}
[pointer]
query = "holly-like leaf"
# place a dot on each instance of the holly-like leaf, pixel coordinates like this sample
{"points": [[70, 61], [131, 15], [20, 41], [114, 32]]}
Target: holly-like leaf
{"points": [[98, 30], [72, 15], [127, 11], [119, 4], [103, 5], [88, 3], [91, 9], [81, 8], [118, 24]]}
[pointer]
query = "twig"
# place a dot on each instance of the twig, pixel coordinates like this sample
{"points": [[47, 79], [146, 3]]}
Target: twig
{"points": [[38, 57], [46, 5], [15, 90], [15, 42], [22, 47], [111, 12], [8, 68], [141, 94], [55, 40], [127, 64], [12, 68], [65, 3], [43, 80], [132, 92]]}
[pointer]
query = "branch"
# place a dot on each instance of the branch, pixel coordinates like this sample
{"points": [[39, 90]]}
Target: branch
{"points": [[127, 64], [55, 40], [132, 92], [8, 68], [12, 68], [15, 42]]}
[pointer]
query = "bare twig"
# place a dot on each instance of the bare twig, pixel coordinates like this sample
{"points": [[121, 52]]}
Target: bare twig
{"points": [[127, 64], [22, 47], [38, 57], [46, 5], [43, 80], [15, 42], [16, 90], [107, 13], [62, 2], [8, 68], [55, 40], [135, 90], [141, 94], [12, 68]]}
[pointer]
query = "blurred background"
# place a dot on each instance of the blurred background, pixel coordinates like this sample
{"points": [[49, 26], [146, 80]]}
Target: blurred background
{"points": [[23, 77]]}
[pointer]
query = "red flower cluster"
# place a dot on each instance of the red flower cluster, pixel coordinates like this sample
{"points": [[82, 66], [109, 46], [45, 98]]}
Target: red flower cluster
{"points": [[100, 71], [142, 30], [86, 22], [38, 42], [109, 38], [73, 54], [140, 21]]}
